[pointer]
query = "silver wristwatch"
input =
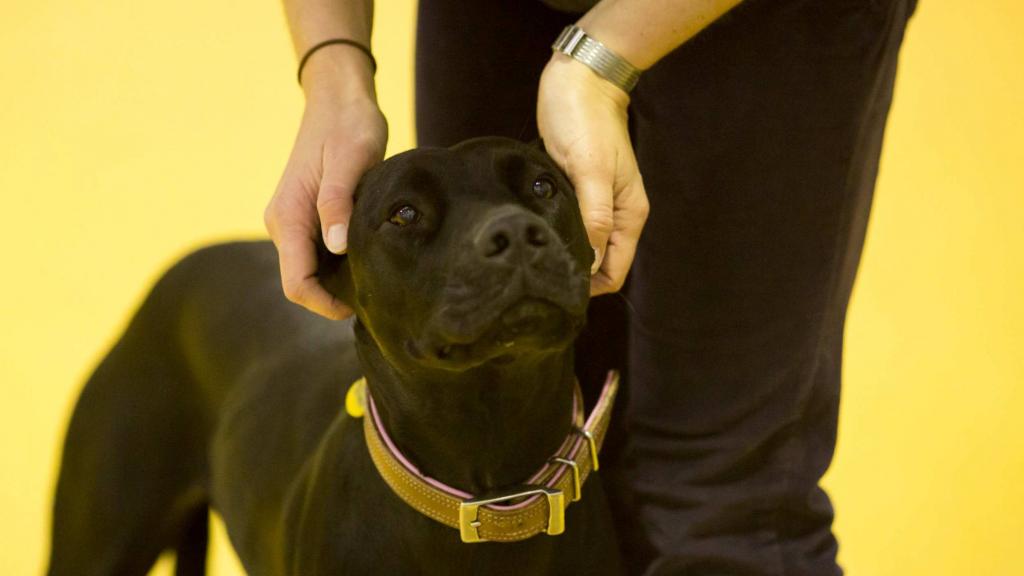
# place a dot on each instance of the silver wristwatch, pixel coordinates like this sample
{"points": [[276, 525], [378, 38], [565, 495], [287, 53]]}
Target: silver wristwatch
{"points": [[575, 43]]}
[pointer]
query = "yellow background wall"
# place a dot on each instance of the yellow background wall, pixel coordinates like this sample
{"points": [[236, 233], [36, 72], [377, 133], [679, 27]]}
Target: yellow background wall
{"points": [[131, 132]]}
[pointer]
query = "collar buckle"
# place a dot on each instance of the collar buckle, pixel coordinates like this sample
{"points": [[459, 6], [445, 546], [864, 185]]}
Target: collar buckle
{"points": [[469, 510]]}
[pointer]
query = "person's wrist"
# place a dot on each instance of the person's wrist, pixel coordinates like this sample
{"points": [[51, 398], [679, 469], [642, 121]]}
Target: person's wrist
{"points": [[338, 73], [576, 43], [575, 79]]}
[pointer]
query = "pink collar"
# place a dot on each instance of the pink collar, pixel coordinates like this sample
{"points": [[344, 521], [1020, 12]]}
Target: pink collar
{"points": [[538, 506]]}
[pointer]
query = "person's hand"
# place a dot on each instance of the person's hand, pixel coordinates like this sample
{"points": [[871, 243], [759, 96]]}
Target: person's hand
{"points": [[582, 120], [340, 138]]}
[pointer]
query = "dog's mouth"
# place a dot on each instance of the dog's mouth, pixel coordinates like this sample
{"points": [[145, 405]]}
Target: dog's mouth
{"points": [[523, 321], [490, 313], [529, 324]]}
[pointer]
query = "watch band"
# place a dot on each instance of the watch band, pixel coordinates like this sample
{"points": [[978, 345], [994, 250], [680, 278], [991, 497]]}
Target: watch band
{"points": [[575, 43]]}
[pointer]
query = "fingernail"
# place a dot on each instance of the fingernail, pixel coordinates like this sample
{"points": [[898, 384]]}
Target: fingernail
{"points": [[337, 239], [597, 262]]}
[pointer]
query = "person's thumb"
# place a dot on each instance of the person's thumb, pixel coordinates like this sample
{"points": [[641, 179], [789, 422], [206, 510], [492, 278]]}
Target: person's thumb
{"points": [[594, 194], [334, 201]]}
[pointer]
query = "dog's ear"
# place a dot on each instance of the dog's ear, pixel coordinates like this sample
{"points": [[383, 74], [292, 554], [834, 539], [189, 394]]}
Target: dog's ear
{"points": [[334, 274], [539, 145]]}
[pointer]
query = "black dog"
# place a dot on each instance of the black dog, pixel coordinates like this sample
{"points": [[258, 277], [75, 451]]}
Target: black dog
{"points": [[468, 269]]}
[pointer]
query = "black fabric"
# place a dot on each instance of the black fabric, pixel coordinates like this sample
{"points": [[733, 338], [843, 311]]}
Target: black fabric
{"points": [[576, 6], [759, 142]]}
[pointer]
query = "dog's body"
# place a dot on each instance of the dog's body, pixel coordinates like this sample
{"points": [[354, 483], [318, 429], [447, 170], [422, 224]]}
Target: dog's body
{"points": [[221, 394]]}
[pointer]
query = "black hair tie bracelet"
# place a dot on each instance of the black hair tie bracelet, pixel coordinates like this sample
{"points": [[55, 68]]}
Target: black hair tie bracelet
{"points": [[347, 42]]}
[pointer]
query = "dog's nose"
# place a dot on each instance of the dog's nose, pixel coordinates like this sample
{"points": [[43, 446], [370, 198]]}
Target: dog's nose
{"points": [[511, 233]]}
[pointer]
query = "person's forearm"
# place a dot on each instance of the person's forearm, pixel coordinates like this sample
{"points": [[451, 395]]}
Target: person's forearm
{"points": [[643, 31], [336, 71]]}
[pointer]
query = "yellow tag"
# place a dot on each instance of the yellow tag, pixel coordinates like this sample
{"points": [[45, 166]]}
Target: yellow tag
{"points": [[355, 399]]}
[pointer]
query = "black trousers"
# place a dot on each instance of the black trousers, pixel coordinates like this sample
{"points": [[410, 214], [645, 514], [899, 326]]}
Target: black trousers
{"points": [[758, 141]]}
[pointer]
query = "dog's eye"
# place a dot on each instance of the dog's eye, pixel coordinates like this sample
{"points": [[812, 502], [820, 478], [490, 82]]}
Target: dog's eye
{"points": [[543, 187], [404, 216]]}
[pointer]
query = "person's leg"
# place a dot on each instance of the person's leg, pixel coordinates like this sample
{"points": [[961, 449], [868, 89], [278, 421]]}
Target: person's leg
{"points": [[477, 68], [759, 142]]}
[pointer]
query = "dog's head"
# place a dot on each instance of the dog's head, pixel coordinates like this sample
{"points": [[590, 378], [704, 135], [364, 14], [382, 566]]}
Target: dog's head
{"points": [[465, 255]]}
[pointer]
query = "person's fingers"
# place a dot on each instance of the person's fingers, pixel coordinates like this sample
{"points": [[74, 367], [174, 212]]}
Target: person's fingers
{"points": [[334, 200], [297, 255], [595, 196], [296, 249], [334, 203], [630, 215]]}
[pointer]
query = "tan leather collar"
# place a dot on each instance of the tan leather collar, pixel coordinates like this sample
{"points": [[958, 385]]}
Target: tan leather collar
{"points": [[537, 506]]}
